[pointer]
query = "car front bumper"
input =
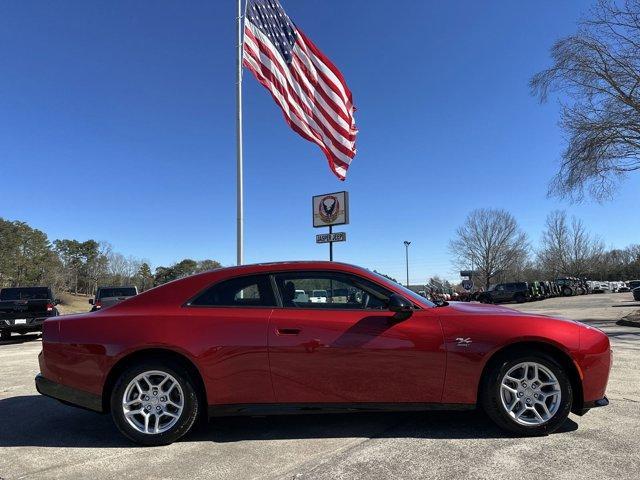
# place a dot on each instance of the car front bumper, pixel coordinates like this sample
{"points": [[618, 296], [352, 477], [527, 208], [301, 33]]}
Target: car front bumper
{"points": [[68, 395], [603, 402]]}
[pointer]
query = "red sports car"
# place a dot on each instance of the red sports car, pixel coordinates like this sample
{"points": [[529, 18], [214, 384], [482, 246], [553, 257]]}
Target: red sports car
{"points": [[313, 337]]}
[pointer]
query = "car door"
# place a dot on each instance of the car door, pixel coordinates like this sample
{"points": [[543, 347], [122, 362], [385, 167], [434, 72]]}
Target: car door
{"points": [[349, 349]]}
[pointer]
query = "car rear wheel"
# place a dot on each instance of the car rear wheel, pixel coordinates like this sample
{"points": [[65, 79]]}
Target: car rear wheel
{"points": [[567, 292], [527, 394], [5, 335], [154, 403]]}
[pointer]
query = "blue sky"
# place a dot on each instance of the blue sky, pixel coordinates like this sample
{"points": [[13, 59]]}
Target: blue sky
{"points": [[117, 123]]}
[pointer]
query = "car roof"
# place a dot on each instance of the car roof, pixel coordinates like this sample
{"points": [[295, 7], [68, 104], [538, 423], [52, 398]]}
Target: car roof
{"points": [[289, 265]]}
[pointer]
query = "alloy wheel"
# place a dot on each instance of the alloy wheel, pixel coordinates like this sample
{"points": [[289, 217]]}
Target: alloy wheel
{"points": [[153, 402], [530, 393]]}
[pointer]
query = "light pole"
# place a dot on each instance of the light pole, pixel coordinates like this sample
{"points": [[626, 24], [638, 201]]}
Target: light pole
{"points": [[406, 249]]}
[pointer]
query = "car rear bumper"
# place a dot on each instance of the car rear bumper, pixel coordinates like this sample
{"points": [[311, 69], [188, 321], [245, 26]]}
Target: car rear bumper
{"points": [[68, 395], [30, 325]]}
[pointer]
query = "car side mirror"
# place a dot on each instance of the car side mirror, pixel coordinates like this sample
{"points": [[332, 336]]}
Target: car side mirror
{"points": [[400, 306], [91, 301]]}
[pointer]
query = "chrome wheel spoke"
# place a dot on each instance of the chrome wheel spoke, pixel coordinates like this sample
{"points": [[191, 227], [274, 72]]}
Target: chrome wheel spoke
{"points": [[139, 387], [513, 404], [510, 389], [132, 402], [146, 423], [545, 409], [550, 394], [535, 373]]}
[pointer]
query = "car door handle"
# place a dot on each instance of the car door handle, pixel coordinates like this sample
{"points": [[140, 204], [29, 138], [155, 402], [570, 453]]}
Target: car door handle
{"points": [[288, 331]]}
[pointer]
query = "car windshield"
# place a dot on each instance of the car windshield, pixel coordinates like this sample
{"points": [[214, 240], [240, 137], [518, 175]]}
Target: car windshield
{"points": [[36, 293], [117, 292], [405, 291]]}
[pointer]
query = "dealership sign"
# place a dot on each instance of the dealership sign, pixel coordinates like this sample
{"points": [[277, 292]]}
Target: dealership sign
{"points": [[331, 209], [331, 237]]}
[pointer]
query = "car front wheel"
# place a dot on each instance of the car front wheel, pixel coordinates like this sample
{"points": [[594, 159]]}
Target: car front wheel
{"points": [[154, 403], [528, 394]]}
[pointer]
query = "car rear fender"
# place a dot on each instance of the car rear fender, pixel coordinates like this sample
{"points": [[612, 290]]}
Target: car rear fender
{"points": [[159, 353]]}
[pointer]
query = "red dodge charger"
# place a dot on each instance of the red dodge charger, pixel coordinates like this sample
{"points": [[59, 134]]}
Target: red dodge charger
{"points": [[315, 337]]}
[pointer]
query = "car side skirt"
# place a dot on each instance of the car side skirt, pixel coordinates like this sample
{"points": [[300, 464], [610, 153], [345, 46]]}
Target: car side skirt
{"points": [[311, 408]]}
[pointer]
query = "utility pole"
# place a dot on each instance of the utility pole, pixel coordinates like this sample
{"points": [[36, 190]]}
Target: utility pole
{"points": [[406, 248]]}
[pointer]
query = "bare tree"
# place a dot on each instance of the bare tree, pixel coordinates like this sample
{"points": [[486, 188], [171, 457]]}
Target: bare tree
{"points": [[490, 241], [567, 248], [598, 69]]}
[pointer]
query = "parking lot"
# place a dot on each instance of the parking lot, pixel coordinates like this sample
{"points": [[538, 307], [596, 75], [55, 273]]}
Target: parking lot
{"points": [[41, 438]]}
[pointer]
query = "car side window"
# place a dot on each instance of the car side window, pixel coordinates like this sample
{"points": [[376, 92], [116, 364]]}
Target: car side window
{"points": [[327, 290], [250, 291]]}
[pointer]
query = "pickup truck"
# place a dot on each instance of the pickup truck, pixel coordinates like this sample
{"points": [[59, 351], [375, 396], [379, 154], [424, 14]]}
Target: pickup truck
{"points": [[107, 296], [24, 309]]}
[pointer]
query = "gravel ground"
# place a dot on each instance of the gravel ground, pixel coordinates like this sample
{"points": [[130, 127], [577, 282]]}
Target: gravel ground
{"points": [[41, 438]]}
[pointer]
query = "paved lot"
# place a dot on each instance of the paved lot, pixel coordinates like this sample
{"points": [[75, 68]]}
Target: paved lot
{"points": [[41, 438]]}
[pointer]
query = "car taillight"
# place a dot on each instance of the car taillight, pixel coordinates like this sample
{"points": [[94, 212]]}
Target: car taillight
{"points": [[98, 304], [50, 307]]}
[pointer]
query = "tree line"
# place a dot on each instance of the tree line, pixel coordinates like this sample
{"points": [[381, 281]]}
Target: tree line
{"points": [[28, 258], [491, 243]]}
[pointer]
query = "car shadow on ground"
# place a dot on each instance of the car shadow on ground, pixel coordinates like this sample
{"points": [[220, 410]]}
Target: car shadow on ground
{"points": [[21, 339], [37, 421]]}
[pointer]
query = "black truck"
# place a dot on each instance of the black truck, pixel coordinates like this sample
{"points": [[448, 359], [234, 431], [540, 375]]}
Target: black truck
{"points": [[24, 309]]}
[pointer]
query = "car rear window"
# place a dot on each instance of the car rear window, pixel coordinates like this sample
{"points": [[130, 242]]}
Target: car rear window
{"points": [[117, 292], [30, 293], [250, 291]]}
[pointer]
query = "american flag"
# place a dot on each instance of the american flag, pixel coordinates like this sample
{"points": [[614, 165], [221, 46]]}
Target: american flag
{"points": [[309, 89]]}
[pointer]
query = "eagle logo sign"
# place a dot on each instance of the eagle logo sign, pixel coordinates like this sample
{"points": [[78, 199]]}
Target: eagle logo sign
{"points": [[329, 208]]}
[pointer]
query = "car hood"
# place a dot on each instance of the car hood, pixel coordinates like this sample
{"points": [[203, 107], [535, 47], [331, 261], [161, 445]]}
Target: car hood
{"points": [[473, 308]]}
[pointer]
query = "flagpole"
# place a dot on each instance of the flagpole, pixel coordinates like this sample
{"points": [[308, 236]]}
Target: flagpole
{"points": [[239, 165]]}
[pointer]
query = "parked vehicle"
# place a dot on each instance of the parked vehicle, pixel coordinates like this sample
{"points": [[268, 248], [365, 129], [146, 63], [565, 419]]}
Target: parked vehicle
{"points": [[301, 296], [23, 309], [506, 292], [633, 284], [318, 296], [235, 341], [623, 288], [636, 293], [601, 287], [569, 286], [107, 296]]}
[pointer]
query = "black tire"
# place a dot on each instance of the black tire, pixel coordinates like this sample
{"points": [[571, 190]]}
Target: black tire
{"points": [[520, 298], [188, 416], [4, 335], [567, 292], [491, 401]]}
